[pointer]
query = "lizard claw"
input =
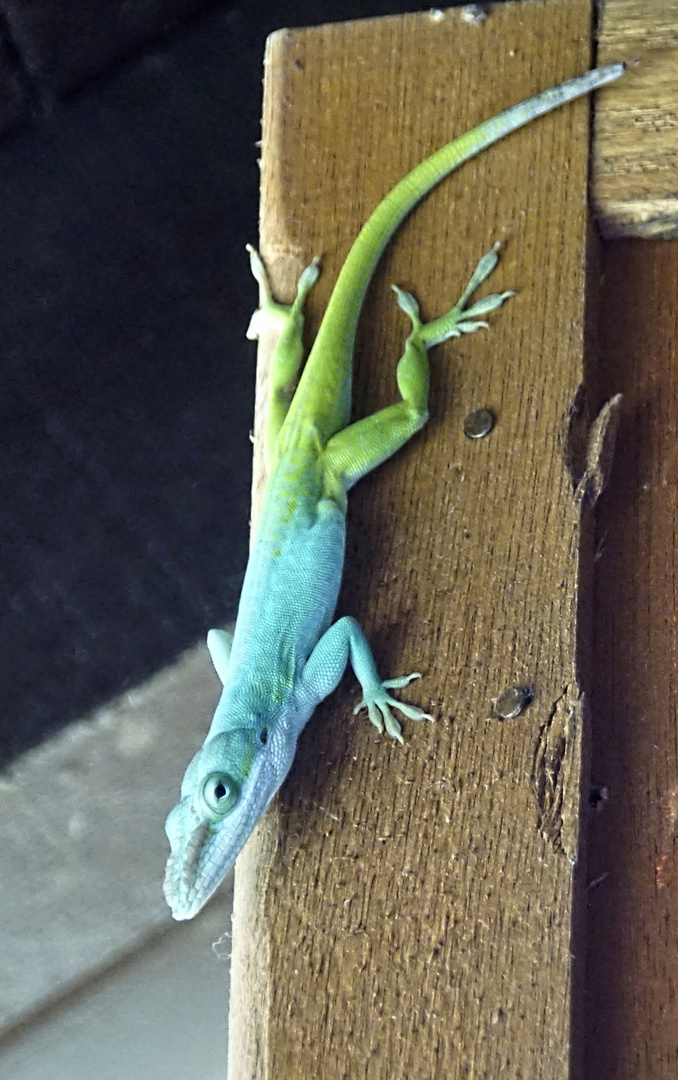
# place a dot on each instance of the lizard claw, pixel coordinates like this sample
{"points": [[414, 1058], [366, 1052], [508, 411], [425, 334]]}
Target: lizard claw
{"points": [[379, 705]]}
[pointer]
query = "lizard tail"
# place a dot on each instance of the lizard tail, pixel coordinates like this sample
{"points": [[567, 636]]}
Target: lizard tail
{"points": [[337, 331]]}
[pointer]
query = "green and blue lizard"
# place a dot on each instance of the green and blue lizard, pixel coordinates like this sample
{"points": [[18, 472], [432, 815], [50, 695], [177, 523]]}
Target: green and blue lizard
{"points": [[286, 654]]}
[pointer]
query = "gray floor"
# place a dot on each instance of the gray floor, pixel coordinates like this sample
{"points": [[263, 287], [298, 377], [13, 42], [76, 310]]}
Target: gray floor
{"points": [[160, 1015], [96, 977]]}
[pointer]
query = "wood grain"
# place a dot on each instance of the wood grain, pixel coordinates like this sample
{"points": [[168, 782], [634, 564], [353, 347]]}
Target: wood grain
{"points": [[407, 912], [632, 978], [636, 138]]}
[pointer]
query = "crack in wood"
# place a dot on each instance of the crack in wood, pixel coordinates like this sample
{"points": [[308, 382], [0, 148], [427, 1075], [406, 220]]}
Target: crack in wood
{"points": [[555, 768]]}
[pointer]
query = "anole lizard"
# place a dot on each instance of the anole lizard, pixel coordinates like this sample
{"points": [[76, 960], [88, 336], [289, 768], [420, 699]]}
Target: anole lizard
{"points": [[286, 655]]}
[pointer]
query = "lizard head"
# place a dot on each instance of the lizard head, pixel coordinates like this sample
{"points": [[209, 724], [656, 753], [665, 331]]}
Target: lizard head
{"points": [[226, 788]]}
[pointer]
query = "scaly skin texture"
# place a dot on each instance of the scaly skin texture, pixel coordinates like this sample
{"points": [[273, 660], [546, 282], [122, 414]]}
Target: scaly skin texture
{"points": [[286, 654]]}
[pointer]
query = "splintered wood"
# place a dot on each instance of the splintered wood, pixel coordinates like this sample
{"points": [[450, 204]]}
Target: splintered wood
{"points": [[407, 912]]}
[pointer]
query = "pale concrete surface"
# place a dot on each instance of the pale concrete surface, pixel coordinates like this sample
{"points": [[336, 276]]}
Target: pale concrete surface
{"points": [[82, 844], [161, 1015]]}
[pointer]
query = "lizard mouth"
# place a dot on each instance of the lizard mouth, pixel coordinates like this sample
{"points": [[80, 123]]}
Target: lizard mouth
{"points": [[181, 874]]}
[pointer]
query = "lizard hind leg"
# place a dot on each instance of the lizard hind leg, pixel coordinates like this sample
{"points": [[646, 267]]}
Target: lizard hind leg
{"points": [[359, 448], [460, 319], [287, 321]]}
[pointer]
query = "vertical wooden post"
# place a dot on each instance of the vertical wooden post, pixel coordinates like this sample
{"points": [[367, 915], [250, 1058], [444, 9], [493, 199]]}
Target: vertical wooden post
{"points": [[408, 912]]}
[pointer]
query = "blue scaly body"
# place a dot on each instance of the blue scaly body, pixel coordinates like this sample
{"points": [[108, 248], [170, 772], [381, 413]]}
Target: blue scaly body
{"points": [[286, 654]]}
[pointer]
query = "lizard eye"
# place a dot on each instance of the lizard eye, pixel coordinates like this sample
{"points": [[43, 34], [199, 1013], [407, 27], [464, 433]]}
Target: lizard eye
{"points": [[220, 793]]}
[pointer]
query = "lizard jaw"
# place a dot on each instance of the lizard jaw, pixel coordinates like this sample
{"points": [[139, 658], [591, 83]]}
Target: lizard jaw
{"points": [[203, 851], [182, 892]]}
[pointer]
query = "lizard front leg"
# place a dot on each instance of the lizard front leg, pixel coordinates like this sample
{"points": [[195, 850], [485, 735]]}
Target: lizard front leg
{"points": [[343, 641], [287, 320], [220, 643]]}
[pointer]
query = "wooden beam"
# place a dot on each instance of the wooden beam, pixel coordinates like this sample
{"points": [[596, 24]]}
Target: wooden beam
{"points": [[632, 1007], [409, 911], [636, 135]]}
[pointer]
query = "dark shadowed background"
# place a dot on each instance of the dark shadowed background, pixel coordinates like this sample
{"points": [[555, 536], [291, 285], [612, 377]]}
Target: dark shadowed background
{"points": [[129, 187]]}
